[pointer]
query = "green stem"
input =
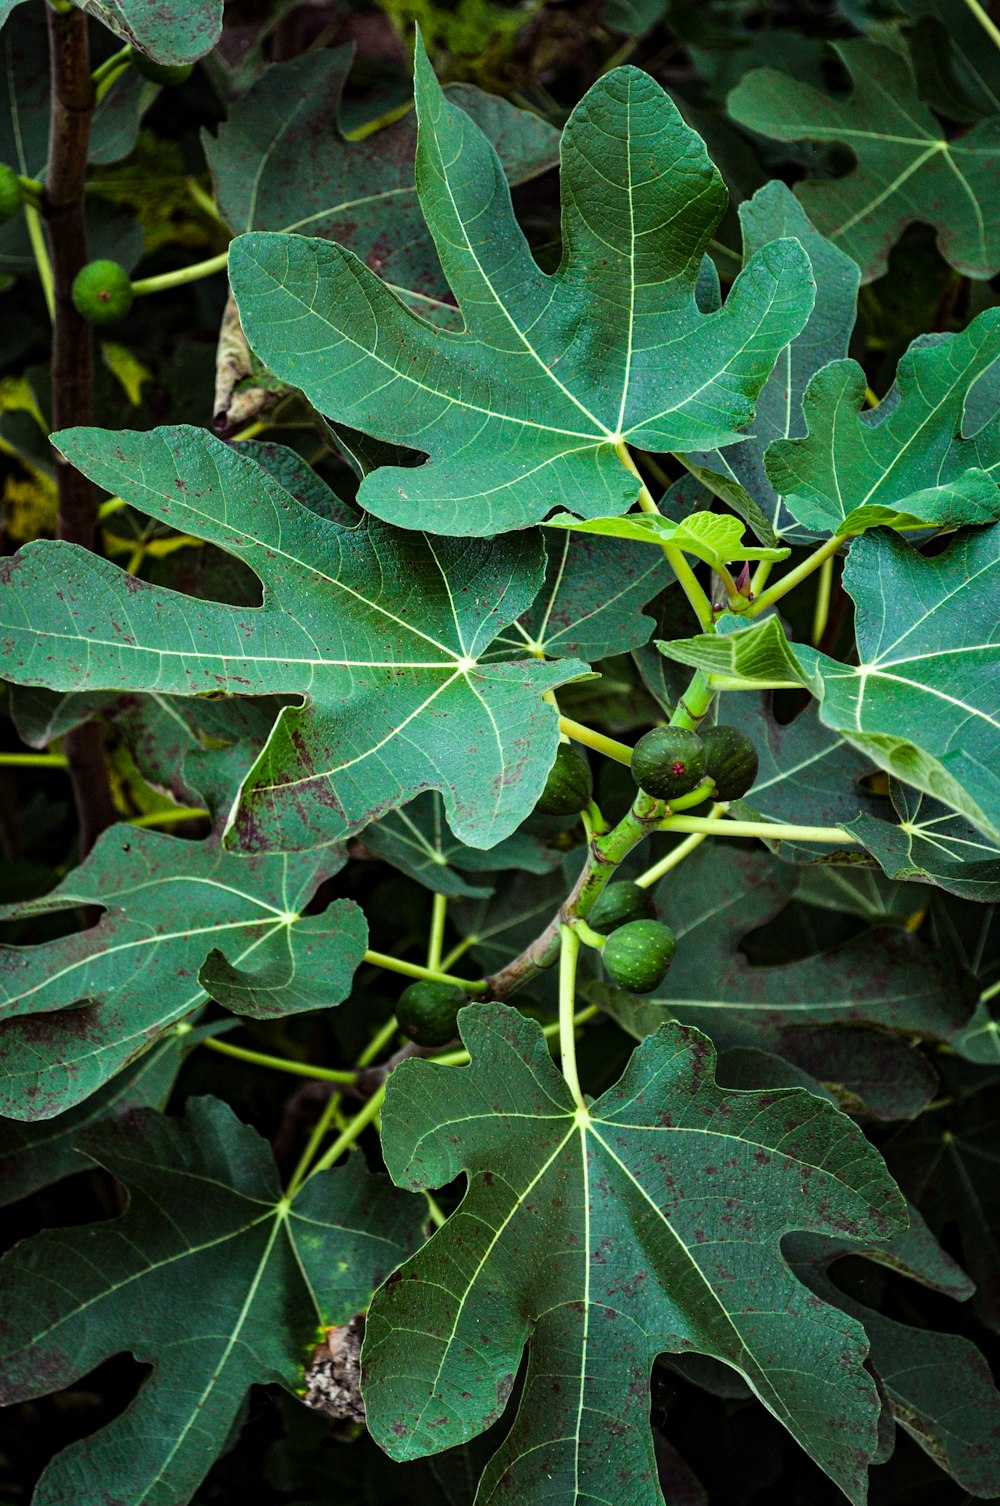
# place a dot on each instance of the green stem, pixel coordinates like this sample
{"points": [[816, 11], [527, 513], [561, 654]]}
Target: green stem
{"points": [[588, 935], [689, 584], [319, 1132], [379, 122], [609, 746], [40, 252], [794, 577], [32, 189], [688, 581], [695, 703], [413, 970], [760, 576], [989, 993], [550, 1032], [34, 761], [280, 1063], [821, 611], [250, 432], [569, 952], [773, 831], [593, 816], [676, 855], [734, 682], [457, 951], [346, 1139], [107, 83], [656, 470], [206, 203], [703, 790], [435, 944], [606, 853], [437, 1216], [378, 1043], [181, 275], [990, 27], [100, 73], [171, 817]]}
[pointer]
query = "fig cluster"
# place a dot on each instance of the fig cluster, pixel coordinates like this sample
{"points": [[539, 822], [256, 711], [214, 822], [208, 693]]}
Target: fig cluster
{"points": [[639, 949], [672, 761]]}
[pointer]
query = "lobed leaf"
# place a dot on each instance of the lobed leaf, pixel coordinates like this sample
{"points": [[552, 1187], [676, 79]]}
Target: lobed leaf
{"points": [[210, 1276], [736, 472], [937, 1386], [43, 1151], [600, 1238], [593, 603], [281, 161], [922, 700], [183, 921], [906, 167], [885, 978], [525, 409], [381, 633], [905, 464], [715, 538], [417, 841], [931, 845]]}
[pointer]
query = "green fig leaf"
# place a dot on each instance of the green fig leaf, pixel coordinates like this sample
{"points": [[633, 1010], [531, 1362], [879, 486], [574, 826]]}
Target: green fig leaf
{"points": [[593, 603], [736, 472], [381, 633], [907, 168], [417, 841], [530, 404], [281, 162], [885, 978], [908, 467], [938, 1385], [921, 701], [930, 844], [182, 921], [37, 1153], [716, 538], [594, 1237], [210, 1276]]}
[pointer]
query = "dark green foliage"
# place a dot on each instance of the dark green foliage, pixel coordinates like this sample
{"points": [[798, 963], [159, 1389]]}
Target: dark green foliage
{"points": [[459, 416]]}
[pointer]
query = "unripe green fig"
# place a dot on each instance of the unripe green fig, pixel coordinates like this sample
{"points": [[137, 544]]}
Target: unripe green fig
{"points": [[161, 73], [10, 193], [731, 760], [427, 1011], [637, 956], [667, 762], [102, 292], [617, 904], [570, 785]]}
